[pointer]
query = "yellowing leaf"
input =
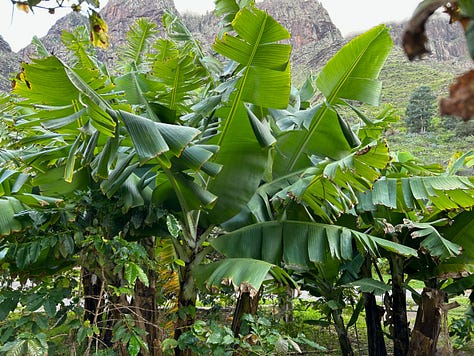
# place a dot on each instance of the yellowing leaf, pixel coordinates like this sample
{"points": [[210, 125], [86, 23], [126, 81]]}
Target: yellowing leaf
{"points": [[23, 6], [99, 30]]}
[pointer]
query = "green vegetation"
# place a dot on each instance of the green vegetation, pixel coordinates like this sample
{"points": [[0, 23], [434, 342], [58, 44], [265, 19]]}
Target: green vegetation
{"points": [[401, 77], [131, 201], [420, 110]]}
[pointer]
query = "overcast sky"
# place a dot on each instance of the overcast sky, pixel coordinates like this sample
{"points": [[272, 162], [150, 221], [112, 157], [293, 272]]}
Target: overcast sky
{"points": [[350, 16]]}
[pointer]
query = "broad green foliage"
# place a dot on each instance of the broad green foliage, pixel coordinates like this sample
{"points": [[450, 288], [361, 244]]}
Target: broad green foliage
{"points": [[295, 243], [125, 140], [326, 186], [138, 175], [246, 274], [262, 77], [326, 135], [138, 42], [442, 193]]}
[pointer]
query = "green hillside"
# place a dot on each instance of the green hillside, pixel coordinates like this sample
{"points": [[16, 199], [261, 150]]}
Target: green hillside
{"points": [[448, 135], [401, 77]]}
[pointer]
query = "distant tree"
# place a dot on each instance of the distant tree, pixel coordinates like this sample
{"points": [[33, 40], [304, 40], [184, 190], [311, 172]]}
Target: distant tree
{"points": [[420, 110]]}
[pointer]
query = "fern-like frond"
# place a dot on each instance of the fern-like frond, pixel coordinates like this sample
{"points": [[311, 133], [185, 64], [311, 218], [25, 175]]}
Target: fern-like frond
{"points": [[139, 39]]}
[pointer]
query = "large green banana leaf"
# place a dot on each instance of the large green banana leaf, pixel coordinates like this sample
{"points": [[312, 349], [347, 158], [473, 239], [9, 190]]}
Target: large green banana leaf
{"points": [[298, 243], [263, 79], [11, 182], [461, 232], [350, 75], [45, 81], [227, 9], [181, 73], [329, 188], [332, 191], [138, 42], [260, 247], [9, 207], [245, 274], [425, 193]]}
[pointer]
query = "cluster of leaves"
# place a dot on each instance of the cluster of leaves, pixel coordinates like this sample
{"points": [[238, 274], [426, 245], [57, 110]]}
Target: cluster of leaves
{"points": [[259, 336], [178, 150]]}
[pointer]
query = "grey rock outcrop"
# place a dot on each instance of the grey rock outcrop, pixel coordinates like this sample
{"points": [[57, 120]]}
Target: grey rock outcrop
{"points": [[9, 64], [446, 41], [120, 15], [306, 20]]}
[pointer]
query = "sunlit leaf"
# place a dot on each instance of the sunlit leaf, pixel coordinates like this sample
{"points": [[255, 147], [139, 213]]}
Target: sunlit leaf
{"points": [[99, 30]]}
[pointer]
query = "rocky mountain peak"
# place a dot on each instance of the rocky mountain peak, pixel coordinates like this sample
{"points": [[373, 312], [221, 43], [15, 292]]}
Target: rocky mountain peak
{"points": [[306, 20], [4, 46], [9, 63], [446, 41]]}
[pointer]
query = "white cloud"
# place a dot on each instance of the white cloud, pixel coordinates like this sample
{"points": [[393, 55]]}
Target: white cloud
{"points": [[18, 27], [359, 15], [194, 6]]}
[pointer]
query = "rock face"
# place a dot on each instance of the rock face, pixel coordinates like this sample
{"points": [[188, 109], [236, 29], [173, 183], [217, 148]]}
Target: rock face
{"points": [[313, 35], [446, 41], [9, 64], [120, 15], [306, 20]]}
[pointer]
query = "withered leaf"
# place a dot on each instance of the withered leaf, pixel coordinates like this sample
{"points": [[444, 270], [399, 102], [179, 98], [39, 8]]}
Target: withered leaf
{"points": [[414, 38], [99, 30], [461, 98]]}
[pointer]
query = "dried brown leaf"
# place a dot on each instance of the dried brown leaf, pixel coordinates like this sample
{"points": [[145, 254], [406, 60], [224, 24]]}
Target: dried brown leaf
{"points": [[414, 39], [461, 98]]}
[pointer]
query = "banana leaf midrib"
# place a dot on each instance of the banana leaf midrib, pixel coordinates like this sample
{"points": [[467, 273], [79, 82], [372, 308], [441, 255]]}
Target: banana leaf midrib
{"points": [[174, 92], [321, 112], [242, 82], [141, 47]]}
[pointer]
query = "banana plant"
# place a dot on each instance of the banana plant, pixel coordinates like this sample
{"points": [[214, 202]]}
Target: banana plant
{"points": [[319, 164], [129, 139], [80, 134], [331, 179], [295, 168], [410, 204]]}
